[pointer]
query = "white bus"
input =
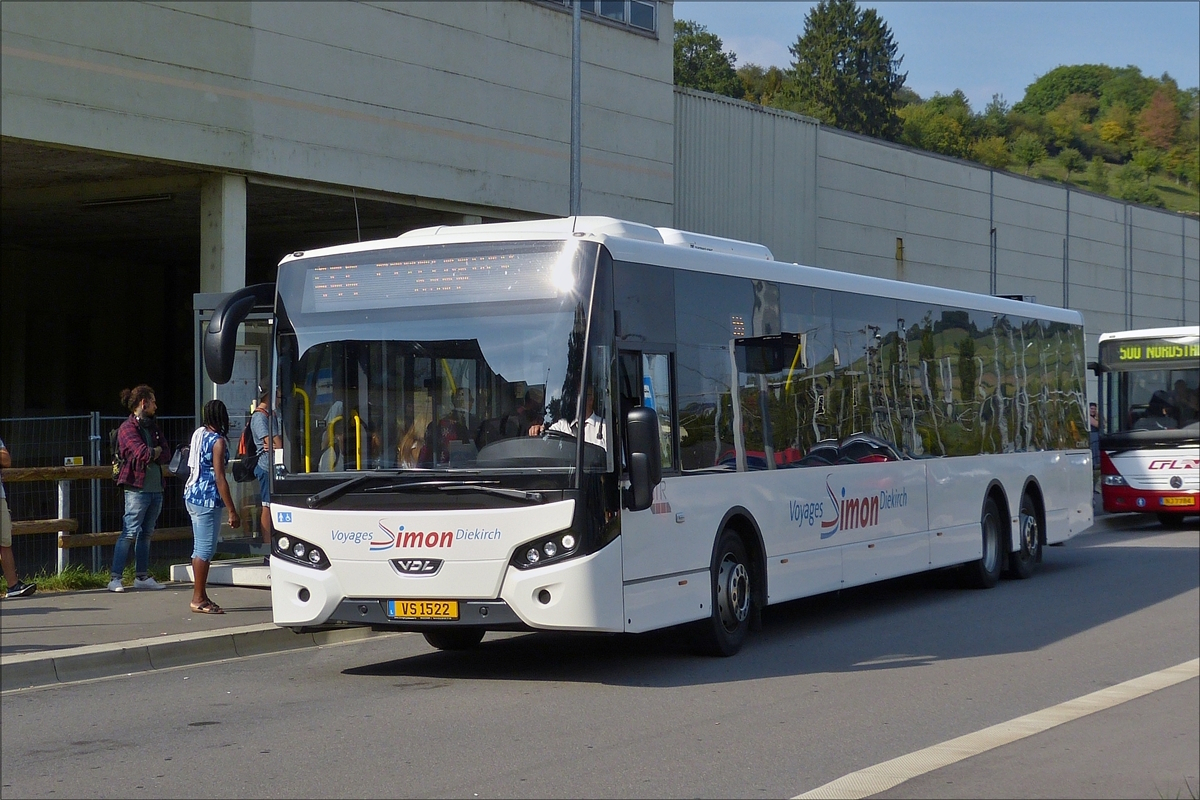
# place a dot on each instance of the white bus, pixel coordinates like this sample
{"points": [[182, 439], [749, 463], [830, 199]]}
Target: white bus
{"points": [[754, 431], [1149, 387]]}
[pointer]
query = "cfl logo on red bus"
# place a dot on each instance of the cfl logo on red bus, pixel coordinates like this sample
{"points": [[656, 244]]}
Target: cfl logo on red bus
{"points": [[1175, 463]]}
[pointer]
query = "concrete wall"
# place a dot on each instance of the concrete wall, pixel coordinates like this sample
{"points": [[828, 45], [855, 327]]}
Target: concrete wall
{"points": [[460, 102], [851, 198], [748, 173]]}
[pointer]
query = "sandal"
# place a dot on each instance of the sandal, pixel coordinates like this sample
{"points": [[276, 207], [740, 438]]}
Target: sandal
{"points": [[207, 607]]}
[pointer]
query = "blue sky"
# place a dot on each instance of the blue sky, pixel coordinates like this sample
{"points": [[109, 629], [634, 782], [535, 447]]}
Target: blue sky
{"points": [[981, 48]]}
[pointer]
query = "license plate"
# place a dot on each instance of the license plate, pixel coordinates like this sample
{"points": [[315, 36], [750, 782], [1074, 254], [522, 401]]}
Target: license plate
{"points": [[1177, 501], [423, 609]]}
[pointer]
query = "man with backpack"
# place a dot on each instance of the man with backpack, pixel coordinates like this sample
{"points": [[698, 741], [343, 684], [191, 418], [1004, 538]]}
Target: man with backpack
{"points": [[264, 428]]}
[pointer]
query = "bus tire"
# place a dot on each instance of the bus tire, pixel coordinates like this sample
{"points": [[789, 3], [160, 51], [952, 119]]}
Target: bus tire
{"points": [[723, 633], [1021, 562], [453, 638], [984, 573], [1170, 520]]}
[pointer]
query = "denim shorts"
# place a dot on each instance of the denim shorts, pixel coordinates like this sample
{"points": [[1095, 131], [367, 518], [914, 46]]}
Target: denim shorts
{"points": [[264, 485], [206, 524]]}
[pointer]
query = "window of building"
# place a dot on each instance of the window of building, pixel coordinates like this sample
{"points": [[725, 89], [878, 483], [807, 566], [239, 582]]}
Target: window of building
{"points": [[639, 15]]}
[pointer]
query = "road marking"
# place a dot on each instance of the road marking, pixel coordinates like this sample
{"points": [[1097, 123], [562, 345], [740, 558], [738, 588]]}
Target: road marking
{"points": [[883, 776]]}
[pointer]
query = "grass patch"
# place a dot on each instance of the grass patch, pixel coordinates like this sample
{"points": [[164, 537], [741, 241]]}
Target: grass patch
{"points": [[76, 578]]}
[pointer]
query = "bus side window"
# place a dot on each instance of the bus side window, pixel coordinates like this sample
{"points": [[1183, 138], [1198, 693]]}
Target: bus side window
{"points": [[656, 393], [645, 380]]}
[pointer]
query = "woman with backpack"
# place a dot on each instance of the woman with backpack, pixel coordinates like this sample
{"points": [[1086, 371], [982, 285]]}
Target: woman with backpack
{"points": [[205, 494]]}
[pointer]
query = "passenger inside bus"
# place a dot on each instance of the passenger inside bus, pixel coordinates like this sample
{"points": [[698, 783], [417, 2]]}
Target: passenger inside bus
{"points": [[1158, 414], [1187, 403]]}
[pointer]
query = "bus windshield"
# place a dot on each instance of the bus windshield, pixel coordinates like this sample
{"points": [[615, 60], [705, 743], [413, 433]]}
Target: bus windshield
{"points": [[1151, 388], [447, 357]]}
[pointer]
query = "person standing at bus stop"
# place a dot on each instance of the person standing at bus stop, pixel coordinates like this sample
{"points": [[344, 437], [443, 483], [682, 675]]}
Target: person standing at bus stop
{"points": [[16, 588], [264, 427], [143, 452], [205, 494]]}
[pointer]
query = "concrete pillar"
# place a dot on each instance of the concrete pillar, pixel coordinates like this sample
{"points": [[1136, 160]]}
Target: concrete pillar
{"points": [[222, 233]]}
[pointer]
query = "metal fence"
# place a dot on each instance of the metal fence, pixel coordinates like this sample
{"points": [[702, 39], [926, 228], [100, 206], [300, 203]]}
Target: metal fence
{"points": [[98, 505]]}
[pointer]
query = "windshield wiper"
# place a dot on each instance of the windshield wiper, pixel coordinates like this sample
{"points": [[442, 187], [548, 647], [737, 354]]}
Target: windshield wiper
{"points": [[318, 499], [459, 486], [518, 494]]}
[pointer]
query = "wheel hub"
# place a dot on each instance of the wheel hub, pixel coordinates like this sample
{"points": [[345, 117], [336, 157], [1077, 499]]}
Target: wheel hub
{"points": [[733, 593], [1029, 533]]}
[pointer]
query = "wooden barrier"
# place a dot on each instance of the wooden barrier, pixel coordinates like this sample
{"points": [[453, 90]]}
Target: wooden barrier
{"points": [[64, 525], [110, 537]]}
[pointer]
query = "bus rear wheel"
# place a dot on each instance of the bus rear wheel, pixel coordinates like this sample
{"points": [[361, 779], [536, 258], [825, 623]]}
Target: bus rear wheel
{"points": [[454, 638], [1020, 563], [984, 573], [723, 633]]}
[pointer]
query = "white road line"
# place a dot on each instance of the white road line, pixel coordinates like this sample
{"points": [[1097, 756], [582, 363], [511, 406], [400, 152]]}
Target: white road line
{"points": [[883, 776]]}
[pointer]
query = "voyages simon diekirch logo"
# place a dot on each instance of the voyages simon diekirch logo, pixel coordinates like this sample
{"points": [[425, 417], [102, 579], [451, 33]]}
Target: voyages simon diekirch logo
{"points": [[846, 511]]}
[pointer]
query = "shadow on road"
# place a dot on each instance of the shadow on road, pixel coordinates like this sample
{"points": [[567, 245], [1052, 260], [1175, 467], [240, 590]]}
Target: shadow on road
{"points": [[1097, 577]]}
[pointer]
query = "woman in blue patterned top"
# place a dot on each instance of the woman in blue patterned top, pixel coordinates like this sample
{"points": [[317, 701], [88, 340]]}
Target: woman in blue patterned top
{"points": [[205, 494]]}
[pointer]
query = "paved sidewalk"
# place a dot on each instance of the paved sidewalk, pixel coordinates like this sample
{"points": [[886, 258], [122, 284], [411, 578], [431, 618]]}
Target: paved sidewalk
{"points": [[57, 637]]}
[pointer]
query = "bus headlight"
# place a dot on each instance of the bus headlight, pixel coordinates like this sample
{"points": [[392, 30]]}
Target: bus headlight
{"points": [[298, 551], [548, 550]]}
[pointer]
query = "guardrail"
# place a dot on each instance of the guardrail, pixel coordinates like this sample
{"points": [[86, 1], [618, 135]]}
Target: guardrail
{"points": [[65, 525]]}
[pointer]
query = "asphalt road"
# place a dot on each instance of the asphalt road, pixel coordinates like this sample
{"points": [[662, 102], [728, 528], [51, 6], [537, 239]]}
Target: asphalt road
{"points": [[830, 686]]}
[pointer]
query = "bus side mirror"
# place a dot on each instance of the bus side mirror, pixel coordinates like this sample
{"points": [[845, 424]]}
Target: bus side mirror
{"points": [[220, 338], [644, 458]]}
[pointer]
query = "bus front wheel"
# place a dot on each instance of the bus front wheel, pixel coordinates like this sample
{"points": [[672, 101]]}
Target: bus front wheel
{"points": [[984, 573], [454, 638], [723, 633]]}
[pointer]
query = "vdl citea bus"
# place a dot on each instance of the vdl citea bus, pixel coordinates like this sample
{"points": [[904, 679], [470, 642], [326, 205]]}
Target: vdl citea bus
{"points": [[595, 425], [1149, 409]]}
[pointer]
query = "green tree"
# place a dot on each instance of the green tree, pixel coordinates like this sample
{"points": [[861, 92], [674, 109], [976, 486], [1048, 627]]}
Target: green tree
{"points": [[995, 117], [1149, 161], [934, 127], [991, 151], [845, 70], [1027, 150], [1133, 185], [1050, 90], [1068, 118], [1097, 175], [760, 85], [701, 63], [1129, 87], [1070, 160]]}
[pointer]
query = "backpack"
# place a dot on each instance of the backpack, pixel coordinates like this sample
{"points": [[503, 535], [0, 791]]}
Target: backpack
{"points": [[247, 456], [114, 450]]}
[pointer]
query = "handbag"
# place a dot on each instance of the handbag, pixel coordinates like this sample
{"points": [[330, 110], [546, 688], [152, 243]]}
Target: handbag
{"points": [[179, 466]]}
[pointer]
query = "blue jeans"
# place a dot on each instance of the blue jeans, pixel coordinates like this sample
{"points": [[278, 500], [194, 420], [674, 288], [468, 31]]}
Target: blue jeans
{"points": [[141, 514], [206, 524], [264, 485]]}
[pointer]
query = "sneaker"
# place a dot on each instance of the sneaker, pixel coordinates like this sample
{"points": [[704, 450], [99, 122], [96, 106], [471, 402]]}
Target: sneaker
{"points": [[147, 583], [21, 590], [115, 585]]}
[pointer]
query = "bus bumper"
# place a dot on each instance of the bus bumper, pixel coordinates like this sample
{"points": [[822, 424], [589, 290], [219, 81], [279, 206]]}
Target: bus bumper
{"points": [[578, 594], [1124, 499]]}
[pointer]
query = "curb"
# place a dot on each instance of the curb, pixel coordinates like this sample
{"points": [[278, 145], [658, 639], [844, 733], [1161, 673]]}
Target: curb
{"points": [[28, 670]]}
